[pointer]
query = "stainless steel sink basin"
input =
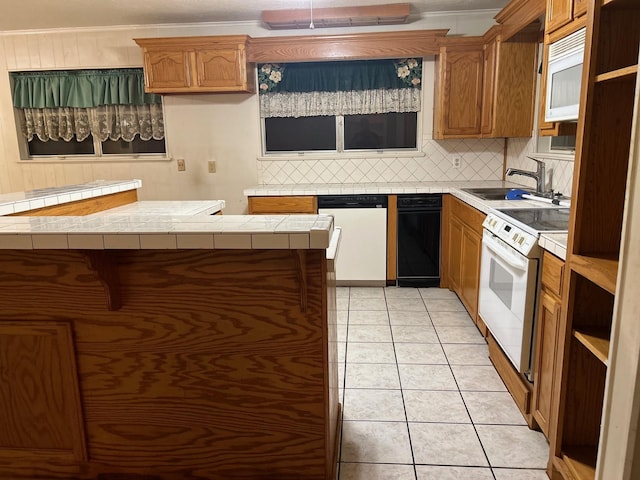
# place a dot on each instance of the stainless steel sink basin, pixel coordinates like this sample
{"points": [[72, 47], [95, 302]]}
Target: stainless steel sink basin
{"points": [[488, 193]]}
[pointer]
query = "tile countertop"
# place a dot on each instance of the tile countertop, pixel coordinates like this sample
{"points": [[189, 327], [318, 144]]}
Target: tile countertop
{"points": [[144, 231], [454, 188], [160, 207], [17, 202], [555, 243]]}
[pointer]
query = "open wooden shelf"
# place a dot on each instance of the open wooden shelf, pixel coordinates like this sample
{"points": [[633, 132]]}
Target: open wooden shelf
{"points": [[601, 269], [580, 461], [596, 340], [626, 73]]}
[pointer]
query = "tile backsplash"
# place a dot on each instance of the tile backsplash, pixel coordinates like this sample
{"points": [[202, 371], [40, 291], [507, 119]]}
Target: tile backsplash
{"points": [[559, 172], [480, 160]]}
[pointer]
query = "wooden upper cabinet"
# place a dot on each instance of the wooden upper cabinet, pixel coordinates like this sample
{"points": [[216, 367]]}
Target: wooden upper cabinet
{"points": [[579, 8], [559, 13], [509, 87], [197, 64], [458, 103], [486, 87]]}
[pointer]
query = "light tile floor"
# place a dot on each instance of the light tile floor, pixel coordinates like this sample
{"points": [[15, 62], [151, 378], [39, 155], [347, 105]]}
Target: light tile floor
{"points": [[421, 400]]}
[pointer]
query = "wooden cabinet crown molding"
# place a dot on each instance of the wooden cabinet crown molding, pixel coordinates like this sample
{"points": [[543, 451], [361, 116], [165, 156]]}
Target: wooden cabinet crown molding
{"points": [[518, 14], [357, 46], [194, 42]]}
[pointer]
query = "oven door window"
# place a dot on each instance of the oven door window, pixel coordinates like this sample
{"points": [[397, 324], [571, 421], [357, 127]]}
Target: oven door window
{"points": [[501, 282]]}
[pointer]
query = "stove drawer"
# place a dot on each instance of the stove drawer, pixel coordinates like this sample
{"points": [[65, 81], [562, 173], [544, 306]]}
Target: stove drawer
{"points": [[552, 270]]}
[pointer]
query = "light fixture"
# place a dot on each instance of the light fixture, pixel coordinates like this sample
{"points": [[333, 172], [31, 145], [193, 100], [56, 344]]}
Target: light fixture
{"points": [[390, 14]]}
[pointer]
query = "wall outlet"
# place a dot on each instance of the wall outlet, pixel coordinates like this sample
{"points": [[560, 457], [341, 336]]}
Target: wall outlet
{"points": [[181, 165], [212, 166], [456, 161]]}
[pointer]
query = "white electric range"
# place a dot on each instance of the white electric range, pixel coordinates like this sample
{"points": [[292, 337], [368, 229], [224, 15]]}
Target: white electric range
{"points": [[509, 274]]}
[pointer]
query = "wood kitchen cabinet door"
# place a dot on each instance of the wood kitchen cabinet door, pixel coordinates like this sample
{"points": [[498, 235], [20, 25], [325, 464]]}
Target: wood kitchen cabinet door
{"points": [[167, 69], [559, 13], [546, 343], [455, 254], [39, 393], [470, 261], [221, 69], [459, 97]]}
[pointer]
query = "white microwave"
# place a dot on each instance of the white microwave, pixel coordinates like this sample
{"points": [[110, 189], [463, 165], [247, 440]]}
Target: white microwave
{"points": [[564, 77]]}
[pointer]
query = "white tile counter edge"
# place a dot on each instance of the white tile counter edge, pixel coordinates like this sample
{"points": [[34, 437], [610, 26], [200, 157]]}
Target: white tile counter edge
{"points": [[18, 202], [555, 243], [168, 232]]}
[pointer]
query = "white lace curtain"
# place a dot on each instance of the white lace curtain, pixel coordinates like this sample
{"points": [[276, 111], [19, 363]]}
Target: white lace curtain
{"points": [[308, 104], [112, 122]]}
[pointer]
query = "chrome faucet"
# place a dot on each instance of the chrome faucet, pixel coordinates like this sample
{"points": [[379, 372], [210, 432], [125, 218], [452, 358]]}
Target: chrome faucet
{"points": [[538, 175]]}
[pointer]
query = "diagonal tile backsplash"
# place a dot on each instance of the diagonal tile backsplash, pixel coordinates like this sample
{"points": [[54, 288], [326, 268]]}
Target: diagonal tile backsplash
{"points": [[559, 172], [480, 160]]}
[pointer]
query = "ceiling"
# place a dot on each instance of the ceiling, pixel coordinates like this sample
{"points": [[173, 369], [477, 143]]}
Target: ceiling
{"points": [[47, 14]]}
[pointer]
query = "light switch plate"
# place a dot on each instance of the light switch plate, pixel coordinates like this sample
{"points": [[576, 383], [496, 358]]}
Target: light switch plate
{"points": [[212, 166], [181, 165]]}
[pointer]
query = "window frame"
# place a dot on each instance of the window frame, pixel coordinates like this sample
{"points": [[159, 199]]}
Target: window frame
{"points": [[340, 152]]}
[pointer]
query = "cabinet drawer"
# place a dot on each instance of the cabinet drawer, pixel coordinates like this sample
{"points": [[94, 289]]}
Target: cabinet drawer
{"points": [[468, 215], [275, 205], [552, 269]]}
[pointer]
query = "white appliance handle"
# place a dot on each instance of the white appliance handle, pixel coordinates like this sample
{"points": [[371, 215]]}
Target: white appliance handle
{"points": [[504, 252]]}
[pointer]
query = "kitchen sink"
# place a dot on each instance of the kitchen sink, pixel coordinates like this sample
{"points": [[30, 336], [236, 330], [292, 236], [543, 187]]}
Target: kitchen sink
{"points": [[488, 193]]}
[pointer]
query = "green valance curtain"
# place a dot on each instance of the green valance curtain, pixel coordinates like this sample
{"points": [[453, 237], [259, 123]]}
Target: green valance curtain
{"points": [[81, 88], [345, 76]]}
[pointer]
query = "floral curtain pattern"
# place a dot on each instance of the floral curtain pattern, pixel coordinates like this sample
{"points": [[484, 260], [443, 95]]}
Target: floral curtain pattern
{"points": [[340, 88], [112, 122], [310, 104]]}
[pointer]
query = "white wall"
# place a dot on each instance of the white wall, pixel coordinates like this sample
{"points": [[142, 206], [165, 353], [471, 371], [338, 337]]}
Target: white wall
{"points": [[199, 128]]}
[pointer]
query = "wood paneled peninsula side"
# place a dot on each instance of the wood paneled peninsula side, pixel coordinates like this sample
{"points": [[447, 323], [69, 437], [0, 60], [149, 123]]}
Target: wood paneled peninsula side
{"points": [[193, 347]]}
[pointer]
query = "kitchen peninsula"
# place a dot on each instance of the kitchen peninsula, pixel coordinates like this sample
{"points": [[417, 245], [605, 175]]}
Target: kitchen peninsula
{"points": [[167, 346]]}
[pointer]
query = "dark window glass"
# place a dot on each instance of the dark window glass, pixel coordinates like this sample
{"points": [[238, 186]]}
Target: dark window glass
{"points": [[300, 134], [122, 147], [60, 147], [380, 131]]}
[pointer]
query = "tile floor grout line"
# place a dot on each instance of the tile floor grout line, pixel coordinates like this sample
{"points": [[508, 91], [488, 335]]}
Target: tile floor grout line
{"points": [[344, 380], [404, 406], [468, 412], [417, 468]]}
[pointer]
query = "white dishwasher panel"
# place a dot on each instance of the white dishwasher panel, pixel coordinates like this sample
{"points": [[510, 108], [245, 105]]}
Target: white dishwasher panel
{"points": [[362, 258]]}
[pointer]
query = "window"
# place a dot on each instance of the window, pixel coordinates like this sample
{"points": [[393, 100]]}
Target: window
{"points": [[340, 133], [88, 113], [340, 106]]}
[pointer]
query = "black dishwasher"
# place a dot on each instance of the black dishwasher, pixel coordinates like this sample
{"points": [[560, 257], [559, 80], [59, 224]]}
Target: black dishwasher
{"points": [[418, 255]]}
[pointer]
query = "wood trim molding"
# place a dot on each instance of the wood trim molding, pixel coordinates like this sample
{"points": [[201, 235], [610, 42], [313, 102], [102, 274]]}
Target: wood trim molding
{"points": [[518, 14], [390, 14], [357, 46]]}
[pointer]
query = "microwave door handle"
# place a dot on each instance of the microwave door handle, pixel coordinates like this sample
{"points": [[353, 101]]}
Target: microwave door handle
{"points": [[510, 258]]}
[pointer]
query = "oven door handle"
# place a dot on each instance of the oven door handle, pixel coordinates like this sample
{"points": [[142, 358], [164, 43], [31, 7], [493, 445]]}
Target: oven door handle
{"points": [[515, 260]]}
